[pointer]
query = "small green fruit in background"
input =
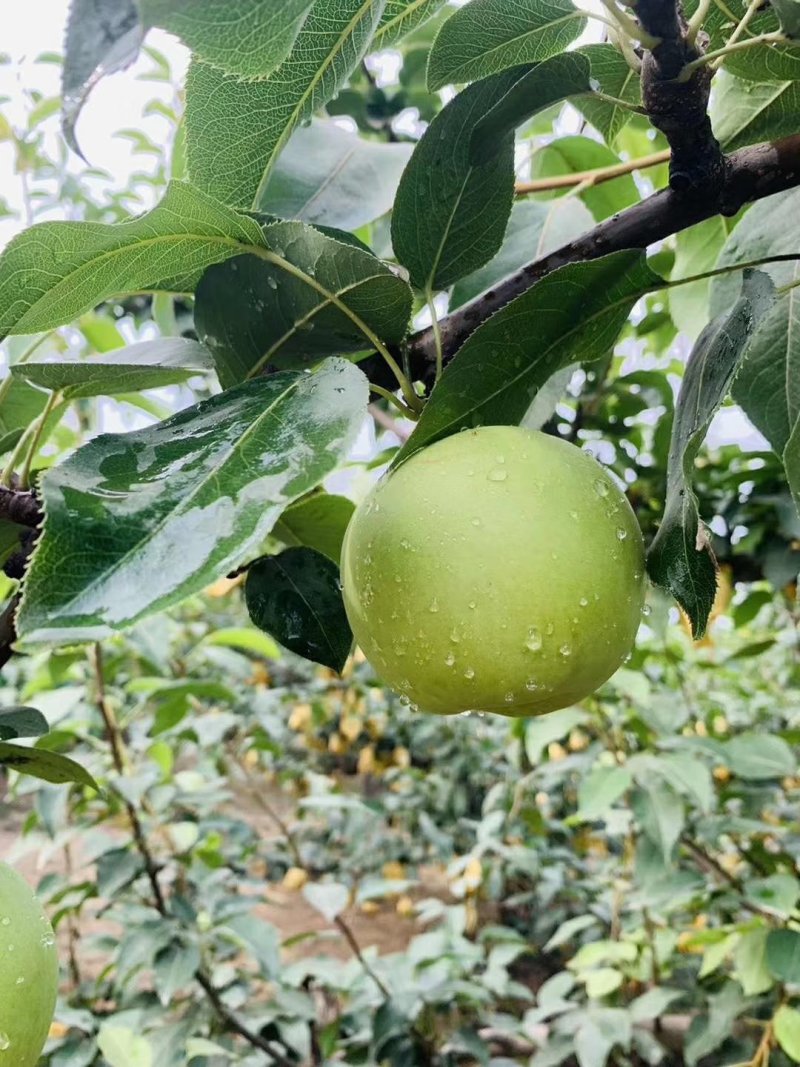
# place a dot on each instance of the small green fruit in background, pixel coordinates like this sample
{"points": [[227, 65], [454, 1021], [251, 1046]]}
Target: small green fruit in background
{"points": [[28, 972], [500, 570]]}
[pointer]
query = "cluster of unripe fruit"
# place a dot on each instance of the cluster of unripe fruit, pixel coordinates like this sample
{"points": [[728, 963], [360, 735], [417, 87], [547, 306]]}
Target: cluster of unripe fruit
{"points": [[28, 972], [498, 570]]}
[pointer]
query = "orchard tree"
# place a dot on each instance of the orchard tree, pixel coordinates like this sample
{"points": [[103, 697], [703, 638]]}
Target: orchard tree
{"points": [[308, 306]]}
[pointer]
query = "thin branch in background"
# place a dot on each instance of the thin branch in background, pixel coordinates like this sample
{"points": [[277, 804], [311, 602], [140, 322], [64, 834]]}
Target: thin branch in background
{"points": [[712, 866], [8, 629], [386, 422], [593, 177], [257, 794], [350, 938], [119, 756]]}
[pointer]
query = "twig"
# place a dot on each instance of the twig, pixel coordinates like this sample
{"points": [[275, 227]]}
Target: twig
{"points": [[594, 177], [752, 174], [713, 866], [8, 629], [120, 759], [349, 937]]}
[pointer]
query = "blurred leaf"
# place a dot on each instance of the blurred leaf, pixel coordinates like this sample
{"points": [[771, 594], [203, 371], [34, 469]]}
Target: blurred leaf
{"points": [[21, 405], [21, 722], [755, 756], [103, 36], [599, 791], [653, 1003], [39, 763], [54, 271], [146, 365], [534, 229], [174, 969], [783, 955], [235, 130], [573, 155], [575, 312], [332, 176], [707, 1033], [245, 639], [696, 251], [680, 558], [540, 732], [296, 597], [788, 12], [328, 898], [661, 814], [318, 521], [308, 297], [786, 1027], [487, 36], [122, 1047], [450, 215], [155, 515], [751, 964], [771, 62]]}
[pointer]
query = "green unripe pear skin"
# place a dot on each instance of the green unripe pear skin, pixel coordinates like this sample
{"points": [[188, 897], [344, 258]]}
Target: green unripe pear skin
{"points": [[499, 570], [28, 972]]}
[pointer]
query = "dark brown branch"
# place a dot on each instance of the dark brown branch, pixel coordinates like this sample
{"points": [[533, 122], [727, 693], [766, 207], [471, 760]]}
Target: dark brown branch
{"points": [[680, 108], [8, 629], [20, 507], [752, 174]]}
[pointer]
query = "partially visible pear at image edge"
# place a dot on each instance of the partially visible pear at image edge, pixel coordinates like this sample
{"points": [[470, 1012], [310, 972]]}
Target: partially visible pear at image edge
{"points": [[28, 972], [498, 570]]}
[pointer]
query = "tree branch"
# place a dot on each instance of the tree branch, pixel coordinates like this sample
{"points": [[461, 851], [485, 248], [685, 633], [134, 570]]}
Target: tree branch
{"points": [[751, 174], [679, 106], [590, 177]]}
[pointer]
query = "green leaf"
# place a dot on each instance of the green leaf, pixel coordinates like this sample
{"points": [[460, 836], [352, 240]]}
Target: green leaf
{"points": [[450, 216], [715, 1028], [571, 155], [146, 365], [750, 960], [534, 229], [567, 930], [786, 1027], [755, 756], [307, 297], [54, 271], [778, 893], [745, 112], [122, 1047], [788, 12], [602, 982], [679, 559], [328, 898], [296, 597], [21, 722], [614, 77], [332, 176], [317, 521], [696, 251], [236, 130], [776, 62], [538, 88], [401, 17], [21, 405], [653, 1003], [150, 517], [539, 732], [174, 968], [103, 36], [573, 313], [246, 37], [661, 815], [487, 36], [599, 791], [688, 775], [767, 387], [245, 639], [47, 766]]}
